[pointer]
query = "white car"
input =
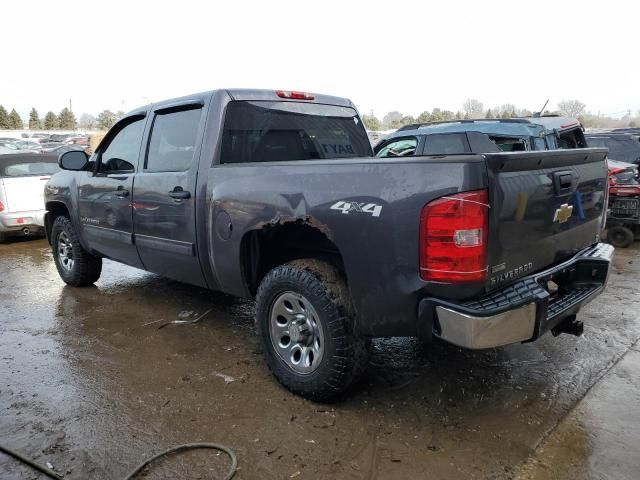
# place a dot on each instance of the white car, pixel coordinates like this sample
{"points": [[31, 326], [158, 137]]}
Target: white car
{"points": [[22, 180]]}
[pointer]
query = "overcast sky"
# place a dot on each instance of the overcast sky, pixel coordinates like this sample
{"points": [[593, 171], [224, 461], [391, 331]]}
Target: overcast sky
{"points": [[392, 55]]}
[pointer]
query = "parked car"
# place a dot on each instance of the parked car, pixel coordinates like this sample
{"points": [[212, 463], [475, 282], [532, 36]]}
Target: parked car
{"points": [[22, 180], [59, 137], [276, 195], [622, 173], [80, 140], [57, 149], [508, 135], [622, 146]]}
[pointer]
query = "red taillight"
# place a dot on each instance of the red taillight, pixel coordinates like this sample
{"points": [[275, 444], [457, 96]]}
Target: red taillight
{"points": [[1, 207], [294, 95], [453, 238]]}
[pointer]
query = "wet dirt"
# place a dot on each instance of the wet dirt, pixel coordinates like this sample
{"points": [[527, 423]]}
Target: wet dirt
{"points": [[90, 384]]}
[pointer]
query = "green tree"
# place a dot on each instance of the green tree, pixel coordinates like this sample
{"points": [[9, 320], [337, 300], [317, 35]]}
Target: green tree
{"points": [[67, 120], [105, 120], [371, 122], [424, 117], [15, 121], [34, 120], [489, 114], [505, 114], [436, 115], [448, 115], [407, 120], [50, 121], [459, 115], [4, 118]]}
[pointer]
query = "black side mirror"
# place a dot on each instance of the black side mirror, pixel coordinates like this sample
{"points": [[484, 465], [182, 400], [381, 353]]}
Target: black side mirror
{"points": [[76, 160]]}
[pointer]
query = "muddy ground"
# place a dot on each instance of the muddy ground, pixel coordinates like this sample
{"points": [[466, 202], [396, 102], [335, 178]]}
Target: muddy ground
{"points": [[92, 385]]}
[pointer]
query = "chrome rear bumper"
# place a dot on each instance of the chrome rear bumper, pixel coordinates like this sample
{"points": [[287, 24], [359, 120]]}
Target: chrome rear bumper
{"points": [[525, 309]]}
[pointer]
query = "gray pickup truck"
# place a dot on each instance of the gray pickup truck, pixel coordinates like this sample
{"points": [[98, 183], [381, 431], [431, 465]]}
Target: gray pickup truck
{"points": [[277, 195]]}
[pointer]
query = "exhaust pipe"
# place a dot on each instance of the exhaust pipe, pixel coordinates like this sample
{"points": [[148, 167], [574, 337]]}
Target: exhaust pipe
{"points": [[569, 325], [26, 231]]}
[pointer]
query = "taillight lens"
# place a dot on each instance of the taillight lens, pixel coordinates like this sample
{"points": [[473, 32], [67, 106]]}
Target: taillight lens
{"points": [[453, 238], [294, 95], [1, 207]]}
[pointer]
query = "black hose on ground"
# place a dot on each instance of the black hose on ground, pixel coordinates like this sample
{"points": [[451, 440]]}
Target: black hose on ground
{"points": [[180, 448]]}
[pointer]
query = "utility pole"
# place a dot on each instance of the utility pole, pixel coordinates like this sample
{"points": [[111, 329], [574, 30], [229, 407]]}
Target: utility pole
{"points": [[70, 108]]}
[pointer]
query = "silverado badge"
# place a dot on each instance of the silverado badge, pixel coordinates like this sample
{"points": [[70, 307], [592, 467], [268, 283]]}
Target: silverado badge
{"points": [[563, 213]]}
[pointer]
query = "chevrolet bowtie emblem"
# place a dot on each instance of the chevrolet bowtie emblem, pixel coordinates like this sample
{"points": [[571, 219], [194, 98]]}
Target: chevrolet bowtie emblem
{"points": [[563, 213]]}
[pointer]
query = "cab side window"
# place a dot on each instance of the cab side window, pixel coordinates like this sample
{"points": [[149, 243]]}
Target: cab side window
{"points": [[173, 140], [401, 147], [121, 153]]}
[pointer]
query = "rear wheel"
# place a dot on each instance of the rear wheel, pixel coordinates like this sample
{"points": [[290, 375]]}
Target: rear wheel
{"points": [[620, 236], [75, 265], [3, 237], [306, 330]]}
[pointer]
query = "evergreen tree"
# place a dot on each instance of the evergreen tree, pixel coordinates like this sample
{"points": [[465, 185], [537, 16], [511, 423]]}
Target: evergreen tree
{"points": [[67, 120], [15, 121], [4, 118], [34, 120], [105, 120], [489, 114], [371, 122], [50, 121]]}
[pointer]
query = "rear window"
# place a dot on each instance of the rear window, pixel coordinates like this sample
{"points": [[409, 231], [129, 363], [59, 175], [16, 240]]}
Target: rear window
{"points": [[625, 150], [262, 131], [27, 169]]}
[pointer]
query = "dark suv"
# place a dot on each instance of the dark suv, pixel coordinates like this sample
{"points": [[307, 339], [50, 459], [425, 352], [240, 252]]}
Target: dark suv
{"points": [[483, 135]]}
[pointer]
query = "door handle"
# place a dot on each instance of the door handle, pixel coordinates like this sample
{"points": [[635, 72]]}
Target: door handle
{"points": [[121, 193], [179, 193]]}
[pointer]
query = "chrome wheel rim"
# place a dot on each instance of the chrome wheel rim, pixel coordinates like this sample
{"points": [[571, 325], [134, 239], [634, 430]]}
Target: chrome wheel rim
{"points": [[65, 251], [296, 333]]}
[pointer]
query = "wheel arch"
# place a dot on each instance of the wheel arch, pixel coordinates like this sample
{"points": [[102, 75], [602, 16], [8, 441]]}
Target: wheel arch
{"points": [[265, 248], [54, 209]]}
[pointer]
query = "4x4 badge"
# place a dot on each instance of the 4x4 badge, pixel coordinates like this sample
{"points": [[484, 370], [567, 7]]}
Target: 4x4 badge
{"points": [[563, 213]]}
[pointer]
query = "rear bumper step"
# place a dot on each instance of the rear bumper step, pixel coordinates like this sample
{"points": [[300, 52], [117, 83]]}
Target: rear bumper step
{"points": [[525, 309]]}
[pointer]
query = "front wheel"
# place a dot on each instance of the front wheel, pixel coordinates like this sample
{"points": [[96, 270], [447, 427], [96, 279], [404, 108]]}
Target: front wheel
{"points": [[620, 236], [75, 265], [306, 330]]}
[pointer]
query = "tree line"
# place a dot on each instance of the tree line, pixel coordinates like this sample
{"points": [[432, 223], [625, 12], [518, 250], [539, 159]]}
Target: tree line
{"points": [[65, 120], [474, 109]]}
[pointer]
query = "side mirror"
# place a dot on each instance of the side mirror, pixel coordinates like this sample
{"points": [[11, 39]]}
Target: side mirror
{"points": [[75, 160]]}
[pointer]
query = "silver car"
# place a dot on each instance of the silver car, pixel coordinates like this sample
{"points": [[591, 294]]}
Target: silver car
{"points": [[22, 180]]}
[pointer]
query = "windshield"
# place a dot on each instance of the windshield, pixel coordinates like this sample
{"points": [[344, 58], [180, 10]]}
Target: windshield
{"points": [[264, 131]]}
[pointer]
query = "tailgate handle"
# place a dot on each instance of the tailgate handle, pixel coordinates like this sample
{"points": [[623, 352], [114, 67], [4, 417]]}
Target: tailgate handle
{"points": [[562, 180]]}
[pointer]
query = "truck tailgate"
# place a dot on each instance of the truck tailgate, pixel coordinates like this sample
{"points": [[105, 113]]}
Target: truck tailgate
{"points": [[24, 194], [545, 207]]}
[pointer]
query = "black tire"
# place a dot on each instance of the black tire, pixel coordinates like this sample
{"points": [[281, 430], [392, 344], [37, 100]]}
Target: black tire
{"points": [[620, 236], [3, 237], [85, 268], [345, 355]]}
